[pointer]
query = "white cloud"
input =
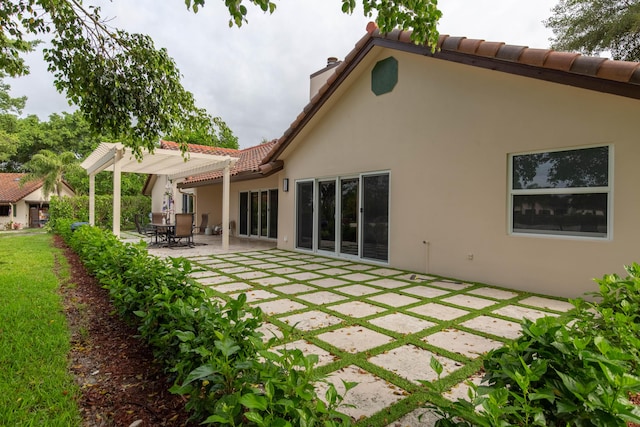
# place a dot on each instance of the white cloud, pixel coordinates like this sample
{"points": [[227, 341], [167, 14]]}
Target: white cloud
{"points": [[257, 77]]}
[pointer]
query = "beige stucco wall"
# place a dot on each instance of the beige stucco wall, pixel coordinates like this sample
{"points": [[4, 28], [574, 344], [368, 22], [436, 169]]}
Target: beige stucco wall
{"points": [[444, 133], [158, 195]]}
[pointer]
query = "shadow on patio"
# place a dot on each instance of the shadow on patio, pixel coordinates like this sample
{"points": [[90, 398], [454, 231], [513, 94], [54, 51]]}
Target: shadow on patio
{"points": [[205, 245]]}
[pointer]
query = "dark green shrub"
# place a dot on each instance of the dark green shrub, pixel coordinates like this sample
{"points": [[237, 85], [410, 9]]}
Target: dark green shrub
{"points": [[60, 209], [575, 371], [215, 353], [77, 208], [62, 227]]}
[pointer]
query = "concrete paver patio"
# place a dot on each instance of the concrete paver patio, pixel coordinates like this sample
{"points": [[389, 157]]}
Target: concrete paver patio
{"points": [[373, 325]]}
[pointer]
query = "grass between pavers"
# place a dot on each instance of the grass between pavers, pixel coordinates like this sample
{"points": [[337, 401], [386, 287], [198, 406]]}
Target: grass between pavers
{"points": [[235, 267], [35, 385]]}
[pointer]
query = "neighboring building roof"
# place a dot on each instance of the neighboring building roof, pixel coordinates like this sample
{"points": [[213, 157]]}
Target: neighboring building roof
{"points": [[600, 74], [249, 165], [10, 189]]}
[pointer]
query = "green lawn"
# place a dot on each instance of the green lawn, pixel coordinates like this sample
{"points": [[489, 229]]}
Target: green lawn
{"points": [[35, 385]]}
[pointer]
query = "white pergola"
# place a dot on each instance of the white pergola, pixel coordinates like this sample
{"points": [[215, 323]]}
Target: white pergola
{"points": [[116, 158]]}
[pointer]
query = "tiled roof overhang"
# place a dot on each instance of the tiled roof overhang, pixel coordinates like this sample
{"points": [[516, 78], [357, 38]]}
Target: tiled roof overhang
{"points": [[599, 74], [12, 190], [249, 166]]}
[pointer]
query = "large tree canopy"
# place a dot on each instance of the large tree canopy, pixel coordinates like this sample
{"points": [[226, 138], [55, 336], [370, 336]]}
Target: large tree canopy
{"points": [[595, 26], [8, 107], [421, 16], [127, 88]]}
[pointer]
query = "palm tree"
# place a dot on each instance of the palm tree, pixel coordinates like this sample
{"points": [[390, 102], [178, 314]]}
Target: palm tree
{"points": [[51, 168]]}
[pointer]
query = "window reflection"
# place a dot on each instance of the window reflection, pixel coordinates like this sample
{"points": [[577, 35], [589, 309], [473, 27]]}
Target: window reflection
{"points": [[561, 192], [562, 169], [571, 214]]}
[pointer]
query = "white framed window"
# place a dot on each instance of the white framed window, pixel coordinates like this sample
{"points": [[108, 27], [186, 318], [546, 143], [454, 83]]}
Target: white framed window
{"points": [[562, 192]]}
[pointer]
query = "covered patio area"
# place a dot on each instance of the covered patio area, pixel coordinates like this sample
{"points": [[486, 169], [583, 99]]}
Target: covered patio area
{"points": [[115, 157], [204, 245]]}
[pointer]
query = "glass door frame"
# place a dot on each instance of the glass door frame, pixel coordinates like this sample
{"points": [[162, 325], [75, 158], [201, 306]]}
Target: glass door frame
{"points": [[296, 216], [317, 213], [338, 251], [338, 216], [269, 211], [362, 216]]}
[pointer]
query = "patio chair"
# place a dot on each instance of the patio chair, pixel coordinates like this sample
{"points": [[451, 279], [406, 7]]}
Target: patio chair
{"points": [[203, 223], [161, 232], [183, 230], [157, 217], [145, 230]]}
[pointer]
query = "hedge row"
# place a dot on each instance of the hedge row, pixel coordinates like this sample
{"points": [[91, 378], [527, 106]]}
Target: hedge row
{"points": [[77, 208], [213, 350]]}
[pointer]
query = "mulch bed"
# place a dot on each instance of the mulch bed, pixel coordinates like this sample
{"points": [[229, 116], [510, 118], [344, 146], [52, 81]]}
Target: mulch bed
{"points": [[120, 383]]}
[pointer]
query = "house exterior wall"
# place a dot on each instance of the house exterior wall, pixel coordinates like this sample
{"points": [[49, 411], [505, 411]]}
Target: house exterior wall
{"points": [[444, 134], [21, 212], [157, 193], [6, 219], [209, 201], [159, 197]]}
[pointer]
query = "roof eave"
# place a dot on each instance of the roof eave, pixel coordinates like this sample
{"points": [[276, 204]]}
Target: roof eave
{"points": [[315, 104], [364, 46], [263, 172]]}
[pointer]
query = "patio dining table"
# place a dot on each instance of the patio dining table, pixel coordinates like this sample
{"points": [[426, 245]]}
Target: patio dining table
{"points": [[163, 231]]}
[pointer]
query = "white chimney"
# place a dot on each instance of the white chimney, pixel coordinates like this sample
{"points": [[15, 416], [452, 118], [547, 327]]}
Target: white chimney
{"points": [[320, 77]]}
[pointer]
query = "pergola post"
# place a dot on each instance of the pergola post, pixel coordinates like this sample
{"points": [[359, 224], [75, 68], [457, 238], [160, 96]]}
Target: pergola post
{"points": [[117, 192], [225, 206], [92, 199]]}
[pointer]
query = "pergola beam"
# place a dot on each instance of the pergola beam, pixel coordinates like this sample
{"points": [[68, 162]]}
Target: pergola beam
{"points": [[161, 162]]}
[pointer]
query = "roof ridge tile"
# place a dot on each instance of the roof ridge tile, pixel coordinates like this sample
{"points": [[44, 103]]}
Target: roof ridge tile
{"points": [[489, 49], [534, 56], [587, 65], [510, 52], [451, 43], [469, 45], [560, 60], [621, 71]]}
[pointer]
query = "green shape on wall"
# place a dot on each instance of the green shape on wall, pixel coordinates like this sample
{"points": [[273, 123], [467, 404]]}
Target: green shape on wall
{"points": [[384, 76]]}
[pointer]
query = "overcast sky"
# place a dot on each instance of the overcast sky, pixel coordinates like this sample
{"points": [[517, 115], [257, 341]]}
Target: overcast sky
{"points": [[257, 77]]}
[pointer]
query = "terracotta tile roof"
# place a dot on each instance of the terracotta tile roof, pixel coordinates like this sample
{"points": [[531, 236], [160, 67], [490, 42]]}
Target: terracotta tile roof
{"points": [[599, 74], [195, 148], [248, 164], [10, 189]]}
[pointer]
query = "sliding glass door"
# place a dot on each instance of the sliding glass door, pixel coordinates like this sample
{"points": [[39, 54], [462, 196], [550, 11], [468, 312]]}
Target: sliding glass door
{"points": [[259, 213], [349, 216], [244, 214], [273, 214], [304, 214], [327, 216], [344, 216], [253, 217], [375, 217]]}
